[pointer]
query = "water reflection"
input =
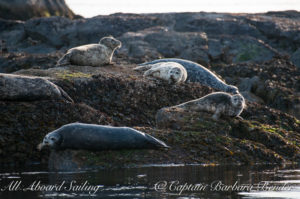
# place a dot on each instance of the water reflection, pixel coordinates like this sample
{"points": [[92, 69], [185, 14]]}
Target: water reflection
{"points": [[179, 181], [285, 182]]}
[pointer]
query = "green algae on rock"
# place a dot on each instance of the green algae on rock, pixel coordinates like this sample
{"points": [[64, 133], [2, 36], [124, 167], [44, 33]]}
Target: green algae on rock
{"points": [[265, 136]]}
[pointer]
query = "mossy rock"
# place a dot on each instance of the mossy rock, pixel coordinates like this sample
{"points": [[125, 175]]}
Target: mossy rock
{"points": [[251, 51]]}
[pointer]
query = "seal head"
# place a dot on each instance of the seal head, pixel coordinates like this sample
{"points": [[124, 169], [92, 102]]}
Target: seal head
{"points": [[238, 104], [238, 100], [176, 75], [110, 42], [51, 140]]}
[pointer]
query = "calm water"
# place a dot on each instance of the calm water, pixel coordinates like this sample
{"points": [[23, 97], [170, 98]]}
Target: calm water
{"points": [[156, 181]]}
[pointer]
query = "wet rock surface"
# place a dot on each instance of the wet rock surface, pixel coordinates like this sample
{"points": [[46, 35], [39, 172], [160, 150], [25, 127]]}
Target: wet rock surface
{"points": [[256, 52]]}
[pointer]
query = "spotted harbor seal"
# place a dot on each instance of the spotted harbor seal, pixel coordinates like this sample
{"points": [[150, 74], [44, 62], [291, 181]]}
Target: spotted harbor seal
{"points": [[99, 137], [24, 88], [218, 103], [169, 71], [198, 73], [92, 54]]}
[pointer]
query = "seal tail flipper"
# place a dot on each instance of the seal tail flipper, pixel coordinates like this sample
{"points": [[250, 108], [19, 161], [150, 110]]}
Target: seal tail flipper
{"points": [[65, 60], [141, 68], [150, 62], [65, 95], [156, 142], [144, 64]]}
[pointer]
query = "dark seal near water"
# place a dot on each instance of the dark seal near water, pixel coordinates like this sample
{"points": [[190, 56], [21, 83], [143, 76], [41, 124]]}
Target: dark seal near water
{"points": [[25, 88], [198, 73], [79, 136]]}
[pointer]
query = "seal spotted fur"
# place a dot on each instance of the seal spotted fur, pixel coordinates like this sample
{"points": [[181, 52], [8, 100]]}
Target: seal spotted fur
{"points": [[24, 88], [169, 71], [92, 54], [218, 103], [198, 73]]}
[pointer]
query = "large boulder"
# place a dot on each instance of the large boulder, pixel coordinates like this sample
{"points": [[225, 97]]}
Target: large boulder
{"points": [[26, 9], [119, 96], [156, 42], [276, 83], [207, 38]]}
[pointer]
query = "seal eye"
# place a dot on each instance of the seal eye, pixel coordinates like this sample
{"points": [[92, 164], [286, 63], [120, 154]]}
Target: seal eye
{"points": [[53, 139]]}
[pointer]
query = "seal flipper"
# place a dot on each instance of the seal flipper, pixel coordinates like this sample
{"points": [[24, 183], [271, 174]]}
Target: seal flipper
{"points": [[141, 68], [156, 142], [65, 60], [65, 95], [239, 117]]}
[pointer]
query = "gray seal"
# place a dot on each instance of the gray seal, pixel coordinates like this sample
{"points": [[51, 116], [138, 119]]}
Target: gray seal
{"points": [[168, 71], [25, 88], [92, 54], [198, 73], [93, 137], [218, 103]]}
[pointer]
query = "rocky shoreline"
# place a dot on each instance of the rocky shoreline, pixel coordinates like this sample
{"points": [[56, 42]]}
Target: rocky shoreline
{"points": [[256, 52]]}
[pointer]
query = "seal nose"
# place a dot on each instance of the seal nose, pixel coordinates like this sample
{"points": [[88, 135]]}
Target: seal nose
{"points": [[46, 142]]}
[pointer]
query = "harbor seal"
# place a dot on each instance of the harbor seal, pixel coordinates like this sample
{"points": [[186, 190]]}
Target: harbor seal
{"points": [[93, 137], [25, 88], [198, 73], [92, 54], [218, 103], [169, 71]]}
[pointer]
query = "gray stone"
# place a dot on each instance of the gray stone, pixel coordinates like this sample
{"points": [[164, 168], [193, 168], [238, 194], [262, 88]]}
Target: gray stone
{"points": [[247, 84], [162, 42]]}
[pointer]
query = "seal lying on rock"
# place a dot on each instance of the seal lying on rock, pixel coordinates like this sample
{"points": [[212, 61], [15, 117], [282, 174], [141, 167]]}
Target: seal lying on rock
{"points": [[24, 88], [98, 137], [218, 103], [198, 73], [169, 71], [91, 54]]}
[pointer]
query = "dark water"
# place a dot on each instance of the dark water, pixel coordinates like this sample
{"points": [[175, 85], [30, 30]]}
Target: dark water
{"points": [[153, 181]]}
